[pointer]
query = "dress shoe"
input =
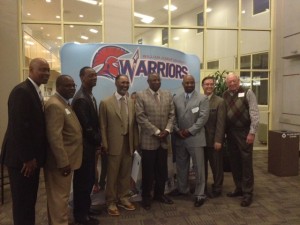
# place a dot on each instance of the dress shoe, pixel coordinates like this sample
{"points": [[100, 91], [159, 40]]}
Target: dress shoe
{"points": [[235, 193], [163, 199], [199, 202], [94, 212], [126, 205], [113, 210], [146, 204], [87, 221], [247, 201], [176, 192]]}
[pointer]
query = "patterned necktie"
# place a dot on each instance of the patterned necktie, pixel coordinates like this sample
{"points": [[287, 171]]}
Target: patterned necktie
{"points": [[124, 115]]}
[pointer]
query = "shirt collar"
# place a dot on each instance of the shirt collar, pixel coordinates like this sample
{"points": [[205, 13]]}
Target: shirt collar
{"points": [[189, 94], [65, 100], [118, 96], [37, 88], [153, 92]]}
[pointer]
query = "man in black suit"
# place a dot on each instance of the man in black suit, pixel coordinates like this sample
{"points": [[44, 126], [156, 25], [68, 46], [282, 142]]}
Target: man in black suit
{"points": [[25, 143], [85, 107]]}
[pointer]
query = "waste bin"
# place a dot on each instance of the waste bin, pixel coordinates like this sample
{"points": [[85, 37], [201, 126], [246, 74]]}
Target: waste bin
{"points": [[283, 153]]}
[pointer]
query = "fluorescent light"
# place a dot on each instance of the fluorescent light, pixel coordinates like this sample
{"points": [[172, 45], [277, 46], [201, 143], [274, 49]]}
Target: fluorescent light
{"points": [[84, 37], [172, 7], [144, 18], [91, 2], [94, 31], [208, 10]]}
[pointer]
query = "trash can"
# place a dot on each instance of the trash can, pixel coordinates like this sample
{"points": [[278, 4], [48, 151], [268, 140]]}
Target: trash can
{"points": [[283, 155]]}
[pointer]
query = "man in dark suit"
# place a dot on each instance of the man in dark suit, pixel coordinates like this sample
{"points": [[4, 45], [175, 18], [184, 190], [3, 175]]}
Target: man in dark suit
{"points": [[25, 143], [214, 132], [64, 154], [191, 114], [85, 107], [119, 139], [155, 115]]}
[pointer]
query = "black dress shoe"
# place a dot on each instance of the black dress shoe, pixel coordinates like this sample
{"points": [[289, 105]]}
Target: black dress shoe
{"points": [[146, 204], [247, 201], [235, 194], [198, 202], [87, 221], [163, 199], [215, 194]]}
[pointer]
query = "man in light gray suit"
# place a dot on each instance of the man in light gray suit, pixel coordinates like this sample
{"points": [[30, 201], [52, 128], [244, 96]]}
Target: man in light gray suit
{"points": [[155, 116], [191, 114]]}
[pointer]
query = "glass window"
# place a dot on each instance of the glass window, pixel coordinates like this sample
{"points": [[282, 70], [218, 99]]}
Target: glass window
{"points": [[186, 13], [260, 89], [151, 12], [83, 11], [260, 6], [245, 62], [41, 10], [148, 36], [260, 61], [245, 79], [261, 20], [253, 42], [213, 65], [83, 33], [222, 45], [200, 22], [222, 13]]}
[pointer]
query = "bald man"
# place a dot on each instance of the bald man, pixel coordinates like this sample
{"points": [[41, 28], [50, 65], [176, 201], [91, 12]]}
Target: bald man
{"points": [[191, 114], [24, 145]]}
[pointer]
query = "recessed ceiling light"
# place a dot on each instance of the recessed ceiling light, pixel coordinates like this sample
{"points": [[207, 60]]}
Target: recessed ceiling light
{"points": [[176, 38], [185, 30], [84, 37], [76, 42], [244, 11], [156, 40], [172, 7], [28, 14], [92, 2], [71, 26], [48, 35], [57, 17], [59, 38], [42, 28], [48, 1], [29, 42], [94, 31], [81, 16]]}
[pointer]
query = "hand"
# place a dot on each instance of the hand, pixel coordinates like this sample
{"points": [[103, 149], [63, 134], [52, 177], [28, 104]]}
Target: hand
{"points": [[163, 134], [217, 146], [180, 134], [186, 133], [103, 150], [65, 171], [29, 167], [250, 139]]}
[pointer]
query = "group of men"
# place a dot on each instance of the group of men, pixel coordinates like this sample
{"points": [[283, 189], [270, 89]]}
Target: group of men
{"points": [[63, 138]]}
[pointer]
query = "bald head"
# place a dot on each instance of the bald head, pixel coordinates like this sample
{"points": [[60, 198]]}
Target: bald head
{"points": [[233, 82], [188, 83], [154, 81], [65, 86], [39, 71]]}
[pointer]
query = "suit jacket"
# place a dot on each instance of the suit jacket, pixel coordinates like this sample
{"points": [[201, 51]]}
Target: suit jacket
{"points": [[111, 126], [87, 114], [64, 135], [151, 117], [25, 137], [215, 126], [193, 117]]}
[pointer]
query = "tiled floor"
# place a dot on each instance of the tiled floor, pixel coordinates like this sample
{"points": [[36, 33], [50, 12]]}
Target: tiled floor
{"points": [[276, 202]]}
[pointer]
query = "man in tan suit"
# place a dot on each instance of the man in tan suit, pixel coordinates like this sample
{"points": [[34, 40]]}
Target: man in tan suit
{"points": [[65, 152], [119, 139], [155, 115]]}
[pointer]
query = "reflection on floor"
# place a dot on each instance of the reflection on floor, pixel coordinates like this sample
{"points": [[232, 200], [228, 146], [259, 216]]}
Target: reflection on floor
{"points": [[276, 202]]}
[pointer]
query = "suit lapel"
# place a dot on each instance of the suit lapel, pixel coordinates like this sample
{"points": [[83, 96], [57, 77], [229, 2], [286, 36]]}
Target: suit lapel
{"points": [[116, 106], [35, 94]]}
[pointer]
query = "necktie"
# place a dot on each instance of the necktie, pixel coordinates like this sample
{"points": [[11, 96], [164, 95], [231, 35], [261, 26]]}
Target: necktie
{"points": [[124, 115], [187, 97], [156, 97]]}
